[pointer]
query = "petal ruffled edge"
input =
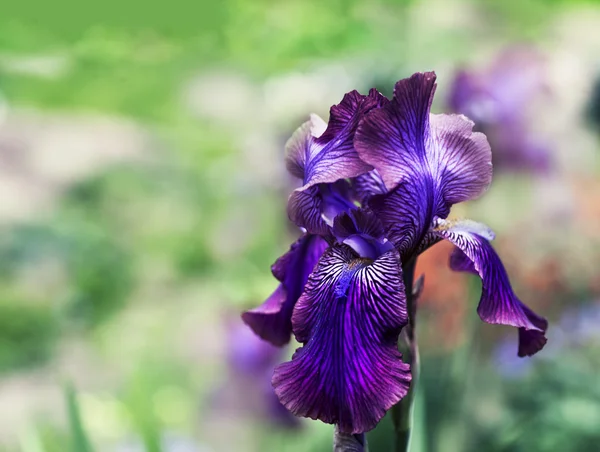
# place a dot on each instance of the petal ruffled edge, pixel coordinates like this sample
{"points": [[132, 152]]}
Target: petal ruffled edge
{"points": [[272, 321], [498, 303], [349, 371]]}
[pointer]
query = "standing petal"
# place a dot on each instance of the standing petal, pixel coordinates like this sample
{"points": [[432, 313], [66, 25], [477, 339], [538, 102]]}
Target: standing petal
{"points": [[326, 158], [348, 371], [498, 304], [330, 157], [272, 320], [428, 162]]}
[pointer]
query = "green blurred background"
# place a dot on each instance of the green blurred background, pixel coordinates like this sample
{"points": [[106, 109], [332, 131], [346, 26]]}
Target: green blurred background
{"points": [[142, 202]]}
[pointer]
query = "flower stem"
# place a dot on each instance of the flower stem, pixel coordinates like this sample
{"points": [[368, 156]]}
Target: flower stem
{"points": [[346, 442], [402, 411]]}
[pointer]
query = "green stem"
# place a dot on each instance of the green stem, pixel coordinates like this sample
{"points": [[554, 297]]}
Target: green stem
{"points": [[346, 442], [402, 411]]}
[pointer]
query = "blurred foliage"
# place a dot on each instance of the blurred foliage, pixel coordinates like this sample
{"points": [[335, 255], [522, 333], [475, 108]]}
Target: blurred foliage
{"points": [[79, 439], [28, 332]]}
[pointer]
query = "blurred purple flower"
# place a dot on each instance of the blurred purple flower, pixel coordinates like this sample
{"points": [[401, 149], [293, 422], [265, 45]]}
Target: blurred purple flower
{"points": [[497, 99], [577, 327], [248, 389], [379, 182]]}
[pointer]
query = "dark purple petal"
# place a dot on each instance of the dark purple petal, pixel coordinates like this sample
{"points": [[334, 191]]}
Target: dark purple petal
{"points": [[392, 138], [498, 304], [532, 341], [272, 320], [321, 158], [304, 210], [348, 371], [406, 212], [428, 162], [367, 185], [460, 262], [362, 231], [358, 221], [315, 208], [341, 115]]}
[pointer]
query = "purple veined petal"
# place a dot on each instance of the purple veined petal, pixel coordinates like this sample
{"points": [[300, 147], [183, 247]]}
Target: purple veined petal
{"points": [[461, 159], [460, 262], [301, 145], [341, 115], [362, 231], [367, 185], [315, 208], [393, 138], [358, 221], [498, 303], [305, 209], [349, 371], [406, 213], [272, 320], [427, 162], [331, 156], [322, 158]]}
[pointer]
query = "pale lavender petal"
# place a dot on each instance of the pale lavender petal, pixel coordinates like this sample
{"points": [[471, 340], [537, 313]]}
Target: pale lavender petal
{"points": [[460, 159], [348, 371], [498, 303]]}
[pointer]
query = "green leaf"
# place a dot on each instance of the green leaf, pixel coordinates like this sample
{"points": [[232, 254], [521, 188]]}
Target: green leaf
{"points": [[79, 439]]}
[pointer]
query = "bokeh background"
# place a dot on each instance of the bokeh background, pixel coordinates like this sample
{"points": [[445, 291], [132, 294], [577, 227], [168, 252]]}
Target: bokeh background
{"points": [[142, 202]]}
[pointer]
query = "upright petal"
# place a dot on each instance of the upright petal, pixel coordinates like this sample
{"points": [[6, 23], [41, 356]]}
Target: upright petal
{"points": [[428, 162], [326, 158], [348, 371], [498, 304], [272, 320], [342, 114], [331, 156]]}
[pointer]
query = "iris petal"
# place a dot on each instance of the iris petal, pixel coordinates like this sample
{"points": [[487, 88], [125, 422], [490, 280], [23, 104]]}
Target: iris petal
{"points": [[272, 320], [348, 371], [427, 162], [320, 159], [498, 303], [367, 185]]}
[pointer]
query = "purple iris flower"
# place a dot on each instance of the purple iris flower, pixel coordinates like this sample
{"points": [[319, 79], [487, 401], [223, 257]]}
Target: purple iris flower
{"points": [[379, 182], [498, 100]]}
